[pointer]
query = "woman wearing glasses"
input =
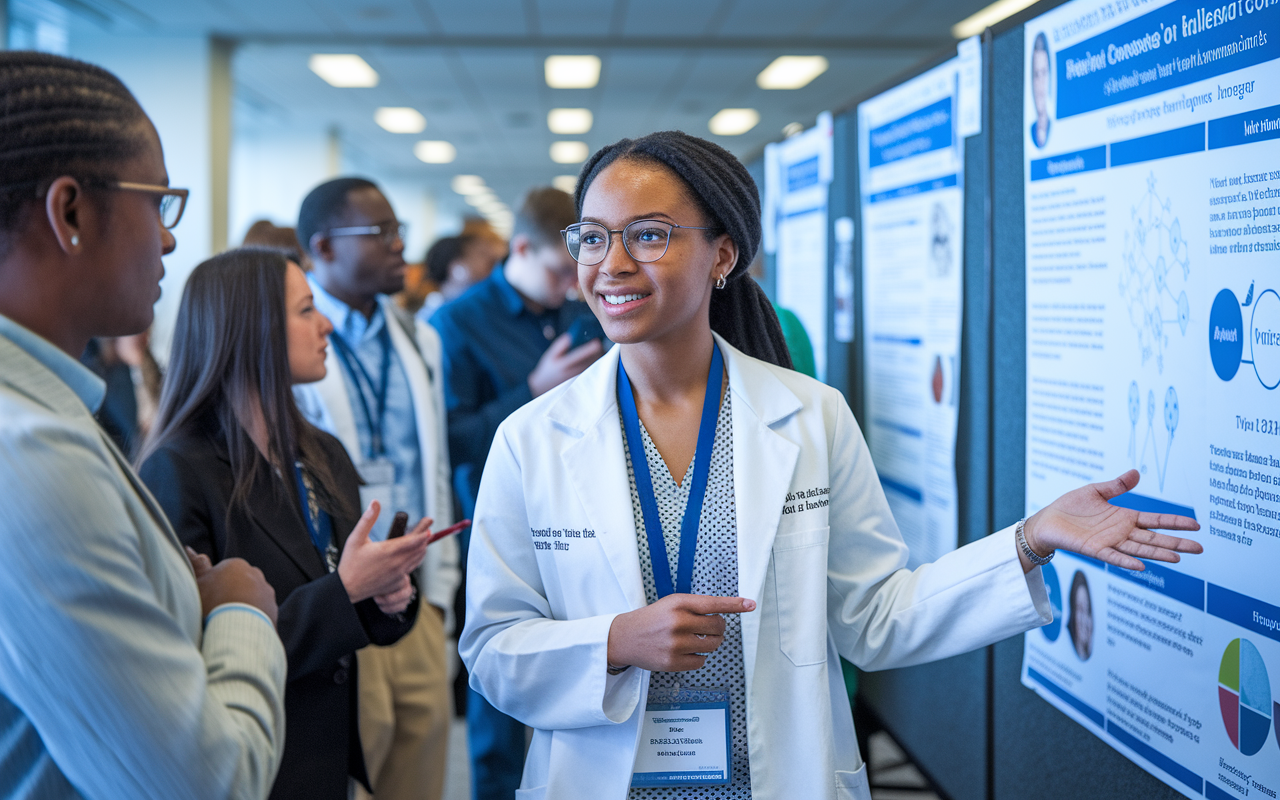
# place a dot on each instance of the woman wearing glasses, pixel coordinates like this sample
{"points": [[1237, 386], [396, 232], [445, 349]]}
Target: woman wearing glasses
{"points": [[240, 473], [671, 551]]}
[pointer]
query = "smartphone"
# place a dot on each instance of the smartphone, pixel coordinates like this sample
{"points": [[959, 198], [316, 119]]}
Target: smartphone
{"points": [[584, 329], [449, 531], [398, 525]]}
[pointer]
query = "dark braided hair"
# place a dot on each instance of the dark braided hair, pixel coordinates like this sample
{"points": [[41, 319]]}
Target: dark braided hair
{"points": [[59, 116], [727, 196]]}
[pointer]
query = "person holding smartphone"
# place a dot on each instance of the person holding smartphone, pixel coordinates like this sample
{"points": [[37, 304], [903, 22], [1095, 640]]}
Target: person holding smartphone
{"points": [[240, 473], [506, 341]]}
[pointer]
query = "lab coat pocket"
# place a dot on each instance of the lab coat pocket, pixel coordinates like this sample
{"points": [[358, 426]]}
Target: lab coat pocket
{"points": [[539, 793], [800, 594], [853, 785]]}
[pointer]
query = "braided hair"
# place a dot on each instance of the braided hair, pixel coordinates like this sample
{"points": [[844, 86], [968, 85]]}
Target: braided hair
{"points": [[727, 196], [59, 116]]}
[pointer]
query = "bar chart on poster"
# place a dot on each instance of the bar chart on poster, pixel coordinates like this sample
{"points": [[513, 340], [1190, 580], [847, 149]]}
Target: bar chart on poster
{"points": [[912, 165], [1152, 190]]}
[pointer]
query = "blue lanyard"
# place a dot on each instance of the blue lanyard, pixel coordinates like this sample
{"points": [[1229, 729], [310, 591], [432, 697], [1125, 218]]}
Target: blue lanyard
{"points": [[697, 492], [355, 368], [321, 529]]}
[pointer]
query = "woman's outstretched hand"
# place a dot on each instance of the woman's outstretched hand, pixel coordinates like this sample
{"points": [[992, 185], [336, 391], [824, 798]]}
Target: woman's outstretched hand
{"points": [[1084, 522], [369, 569]]}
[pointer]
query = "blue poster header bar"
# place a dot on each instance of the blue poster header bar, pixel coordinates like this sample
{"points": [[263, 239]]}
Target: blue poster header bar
{"points": [[922, 131], [915, 188], [1250, 614], [802, 174], [1183, 588], [1069, 163], [1176, 142], [1181, 43], [1246, 128]]}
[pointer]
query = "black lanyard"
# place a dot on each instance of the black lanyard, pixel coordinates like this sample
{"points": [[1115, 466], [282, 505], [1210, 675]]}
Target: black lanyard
{"points": [[355, 368], [697, 492]]}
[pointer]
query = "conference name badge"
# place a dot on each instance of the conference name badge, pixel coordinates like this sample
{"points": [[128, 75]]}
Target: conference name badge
{"points": [[379, 476], [684, 739]]}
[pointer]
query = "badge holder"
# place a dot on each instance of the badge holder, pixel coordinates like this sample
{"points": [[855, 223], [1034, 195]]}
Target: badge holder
{"points": [[684, 740]]}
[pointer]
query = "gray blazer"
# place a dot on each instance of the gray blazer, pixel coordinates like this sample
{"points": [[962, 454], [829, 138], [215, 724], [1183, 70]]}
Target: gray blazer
{"points": [[111, 684]]}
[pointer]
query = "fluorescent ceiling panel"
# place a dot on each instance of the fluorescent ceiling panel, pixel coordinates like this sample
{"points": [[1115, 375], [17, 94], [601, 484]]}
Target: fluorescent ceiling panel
{"points": [[733, 121], [565, 183], [344, 70], [572, 72], [972, 26], [400, 119], [569, 152], [435, 152], [468, 184], [569, 121], [791, 72]]}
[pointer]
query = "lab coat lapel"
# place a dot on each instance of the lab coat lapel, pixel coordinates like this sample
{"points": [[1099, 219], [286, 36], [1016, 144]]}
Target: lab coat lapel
{"points": [[763, 465], [596, 467]]}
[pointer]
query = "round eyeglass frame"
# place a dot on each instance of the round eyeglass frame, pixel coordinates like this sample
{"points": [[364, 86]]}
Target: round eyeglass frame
{"points": [[578, 226]]}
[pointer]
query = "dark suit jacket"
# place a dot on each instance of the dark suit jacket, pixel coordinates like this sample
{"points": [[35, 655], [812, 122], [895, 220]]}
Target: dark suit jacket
{"points": [[321, 629]]}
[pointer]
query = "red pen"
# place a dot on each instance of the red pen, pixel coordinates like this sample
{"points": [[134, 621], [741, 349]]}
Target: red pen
{"points": [[449, 531]]}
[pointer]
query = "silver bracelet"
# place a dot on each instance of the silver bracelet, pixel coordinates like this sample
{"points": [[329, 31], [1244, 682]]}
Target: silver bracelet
{"points": [[1035, 559]]}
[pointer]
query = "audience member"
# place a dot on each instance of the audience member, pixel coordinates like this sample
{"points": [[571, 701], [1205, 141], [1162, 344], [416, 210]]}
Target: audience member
{"points": [[123, 672], [265, 233], [455, 264], [382, 398], [133, 379], [227, 436], [495, 244], [506, 342]]}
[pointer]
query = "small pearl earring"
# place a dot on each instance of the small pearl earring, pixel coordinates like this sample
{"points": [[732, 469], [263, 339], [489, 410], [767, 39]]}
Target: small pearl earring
{"points": [[75, 240]]}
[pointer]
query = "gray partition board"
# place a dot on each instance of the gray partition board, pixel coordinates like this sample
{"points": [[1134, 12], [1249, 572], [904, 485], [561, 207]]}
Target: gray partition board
{"points": [[940, 712]]}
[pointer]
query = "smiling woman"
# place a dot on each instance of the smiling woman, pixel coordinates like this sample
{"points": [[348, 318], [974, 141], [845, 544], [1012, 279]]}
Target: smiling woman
{"points": [[739, 541]]}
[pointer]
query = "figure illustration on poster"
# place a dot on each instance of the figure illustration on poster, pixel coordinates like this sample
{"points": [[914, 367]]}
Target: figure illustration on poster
{"points": [[1152, 248]]}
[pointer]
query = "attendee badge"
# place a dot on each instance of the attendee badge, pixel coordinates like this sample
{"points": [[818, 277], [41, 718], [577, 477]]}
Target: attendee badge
{"points": [[684, 739], [379, 476]]}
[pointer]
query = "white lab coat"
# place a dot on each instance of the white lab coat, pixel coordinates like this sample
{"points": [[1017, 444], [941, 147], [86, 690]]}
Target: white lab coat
{"points": [[328, 405], [538, 620]]}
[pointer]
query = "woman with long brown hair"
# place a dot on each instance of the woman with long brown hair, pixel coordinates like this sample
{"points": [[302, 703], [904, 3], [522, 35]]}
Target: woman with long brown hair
{"points": [[239, 472]]}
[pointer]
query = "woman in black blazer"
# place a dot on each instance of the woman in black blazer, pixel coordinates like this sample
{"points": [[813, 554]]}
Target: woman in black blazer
{"points": [[240, 473]]}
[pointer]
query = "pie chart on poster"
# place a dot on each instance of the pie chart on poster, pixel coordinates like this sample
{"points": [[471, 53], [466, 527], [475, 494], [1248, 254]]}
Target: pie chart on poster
{"points": [[1050, 576], [1244, 695]]}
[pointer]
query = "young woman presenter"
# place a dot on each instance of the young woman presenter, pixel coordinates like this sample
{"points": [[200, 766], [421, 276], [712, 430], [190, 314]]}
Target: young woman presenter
{"points": [[671, 552]]}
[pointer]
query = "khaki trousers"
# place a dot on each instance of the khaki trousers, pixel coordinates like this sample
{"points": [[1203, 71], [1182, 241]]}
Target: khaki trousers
{"points": [[405, 710]]}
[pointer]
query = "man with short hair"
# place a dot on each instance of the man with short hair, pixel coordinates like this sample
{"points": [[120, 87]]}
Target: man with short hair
{"points": [[505, 342], [382, 398]]}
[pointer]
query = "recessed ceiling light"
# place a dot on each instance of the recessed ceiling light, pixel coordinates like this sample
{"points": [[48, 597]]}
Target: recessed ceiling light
{"points": [[480, 198], [569, 152], [569, 121], [572, 72], [791, 72], [733, 121], [468, 184], [565, 183], [435, 152], [344, 70], [398, 119], [792, 128], [494, 206], [979, 22]]}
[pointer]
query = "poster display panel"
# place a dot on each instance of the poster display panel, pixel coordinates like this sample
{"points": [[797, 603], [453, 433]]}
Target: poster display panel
{"points": [[912, 189], [1152, 188], [798, 174]]}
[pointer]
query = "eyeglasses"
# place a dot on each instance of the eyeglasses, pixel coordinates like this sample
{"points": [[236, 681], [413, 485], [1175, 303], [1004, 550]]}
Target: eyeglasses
{"points": [[646, 240], [171, 202], [388, 232]]}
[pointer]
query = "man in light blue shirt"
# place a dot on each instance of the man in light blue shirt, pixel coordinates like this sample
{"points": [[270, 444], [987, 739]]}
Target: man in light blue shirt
{"points": [[382, 397]]}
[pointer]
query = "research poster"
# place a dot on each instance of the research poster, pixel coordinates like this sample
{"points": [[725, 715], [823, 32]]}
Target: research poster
{"points": [[912, 186], [799, 170], [1152, 184]]}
